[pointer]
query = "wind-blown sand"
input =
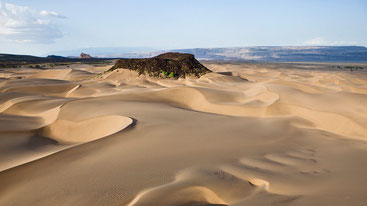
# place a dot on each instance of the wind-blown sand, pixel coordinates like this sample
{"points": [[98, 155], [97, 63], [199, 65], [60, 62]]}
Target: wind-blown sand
{"points": [[246, 134]]}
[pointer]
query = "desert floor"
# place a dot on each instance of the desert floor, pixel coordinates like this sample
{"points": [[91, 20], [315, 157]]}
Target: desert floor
{"points": [[247, 134]]}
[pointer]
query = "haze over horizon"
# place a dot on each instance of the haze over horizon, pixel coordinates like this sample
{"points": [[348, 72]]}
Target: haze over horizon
{"points": [[39, 27]]}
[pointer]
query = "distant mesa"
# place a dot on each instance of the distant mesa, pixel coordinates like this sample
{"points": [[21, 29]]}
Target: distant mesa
{"points": [[85, 56], [55, 57], [173, 65]]}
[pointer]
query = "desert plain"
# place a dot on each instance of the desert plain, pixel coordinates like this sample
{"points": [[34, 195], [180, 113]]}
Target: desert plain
{"points": [[246, 134]]}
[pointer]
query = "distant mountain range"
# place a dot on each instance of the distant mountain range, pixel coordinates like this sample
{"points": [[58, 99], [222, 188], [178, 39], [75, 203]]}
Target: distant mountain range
{"points": [[267, 53], [103, 51], [259, 53], [15, 60], [289, 54]]}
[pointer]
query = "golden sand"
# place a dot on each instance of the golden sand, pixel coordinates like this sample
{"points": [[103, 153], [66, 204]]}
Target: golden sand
{"points": [[243, 135]]}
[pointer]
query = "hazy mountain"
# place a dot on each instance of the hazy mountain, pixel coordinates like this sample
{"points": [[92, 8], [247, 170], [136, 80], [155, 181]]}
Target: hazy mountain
{"points": [[265, 53], [299, 54], [104, 51], [15, 60], [259, 53]]}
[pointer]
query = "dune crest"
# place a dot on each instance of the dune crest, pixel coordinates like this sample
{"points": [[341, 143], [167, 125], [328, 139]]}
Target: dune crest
{"points": [[208, 187], [67, 132]]}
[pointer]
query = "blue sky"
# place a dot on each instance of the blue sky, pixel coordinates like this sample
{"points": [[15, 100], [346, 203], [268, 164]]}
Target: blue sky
{"points": [[41, 26]]}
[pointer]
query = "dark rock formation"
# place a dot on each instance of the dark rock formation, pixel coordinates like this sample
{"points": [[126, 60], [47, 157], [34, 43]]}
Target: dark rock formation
{"points": [[85, 56], [165, 65]]}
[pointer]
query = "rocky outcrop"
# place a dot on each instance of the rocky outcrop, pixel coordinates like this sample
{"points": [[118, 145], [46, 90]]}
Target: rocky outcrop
{"points": [[85, 56], [172, 65]]}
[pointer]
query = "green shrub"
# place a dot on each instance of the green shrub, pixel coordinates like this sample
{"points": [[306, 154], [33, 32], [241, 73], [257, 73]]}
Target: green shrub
{"points": [[164, 73], [172, 74]]}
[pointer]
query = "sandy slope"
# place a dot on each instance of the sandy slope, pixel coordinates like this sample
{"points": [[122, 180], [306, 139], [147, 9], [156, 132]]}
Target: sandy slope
{"points": [[245, 135]]}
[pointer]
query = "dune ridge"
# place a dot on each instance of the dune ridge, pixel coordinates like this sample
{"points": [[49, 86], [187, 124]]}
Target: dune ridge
{"points": [[65, 131], [205, 186]]}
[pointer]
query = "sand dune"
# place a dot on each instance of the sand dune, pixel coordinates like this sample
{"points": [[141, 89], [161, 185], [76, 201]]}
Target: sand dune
{"points": [[65, 131], [51, 74], [246, 134]]}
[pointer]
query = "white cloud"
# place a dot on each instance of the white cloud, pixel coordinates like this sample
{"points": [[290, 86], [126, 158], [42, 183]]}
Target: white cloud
{"points": [[316, 41], [22, 24], [52, 14], [320, 41]]}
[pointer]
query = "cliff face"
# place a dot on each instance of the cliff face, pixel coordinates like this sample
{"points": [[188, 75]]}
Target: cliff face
{"points": [[165, 65]]}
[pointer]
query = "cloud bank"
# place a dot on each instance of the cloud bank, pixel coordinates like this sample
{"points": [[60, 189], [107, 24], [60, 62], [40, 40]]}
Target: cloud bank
{"points": [[22, 24], [320, 41]]}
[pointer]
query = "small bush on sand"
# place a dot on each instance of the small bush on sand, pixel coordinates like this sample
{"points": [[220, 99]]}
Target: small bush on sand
{"points": [[164, 73]]}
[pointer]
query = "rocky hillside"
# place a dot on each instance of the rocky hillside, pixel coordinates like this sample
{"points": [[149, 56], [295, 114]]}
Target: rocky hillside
{"points": [[172, 65]]}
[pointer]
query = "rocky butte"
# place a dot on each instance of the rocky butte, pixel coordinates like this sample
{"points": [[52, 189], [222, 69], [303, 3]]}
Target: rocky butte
{"points": [[85, 56], [172, 65]]}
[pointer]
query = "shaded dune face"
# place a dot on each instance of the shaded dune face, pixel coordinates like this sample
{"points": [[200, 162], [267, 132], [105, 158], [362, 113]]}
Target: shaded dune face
{"points": [[240, 135], [33, 105]]}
